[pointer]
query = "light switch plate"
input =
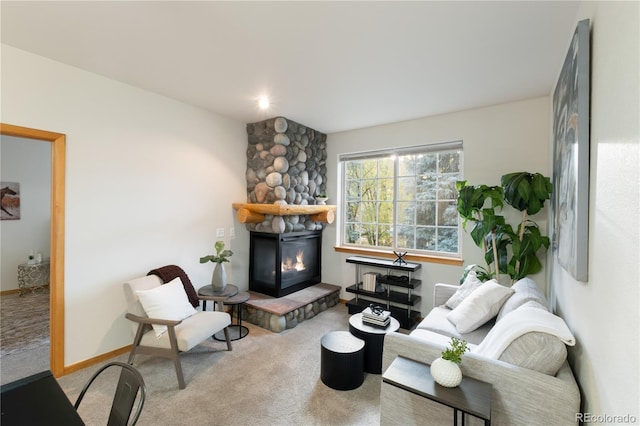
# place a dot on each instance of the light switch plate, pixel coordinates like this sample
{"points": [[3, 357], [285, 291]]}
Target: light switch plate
{"points": [[220, 232], [232, 232]]}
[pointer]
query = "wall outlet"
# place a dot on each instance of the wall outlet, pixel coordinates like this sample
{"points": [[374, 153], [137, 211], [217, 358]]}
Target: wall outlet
{"points": [[232, 232], [220, 232]]}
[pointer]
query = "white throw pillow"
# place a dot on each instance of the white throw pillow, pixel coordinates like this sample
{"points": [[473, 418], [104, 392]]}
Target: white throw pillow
{"points": [[168, 301], [481, 305], [471, 282]]}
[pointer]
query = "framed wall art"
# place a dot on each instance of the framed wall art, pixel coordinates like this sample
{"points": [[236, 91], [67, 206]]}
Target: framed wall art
{"points": [[10, 201], [570, 202]]}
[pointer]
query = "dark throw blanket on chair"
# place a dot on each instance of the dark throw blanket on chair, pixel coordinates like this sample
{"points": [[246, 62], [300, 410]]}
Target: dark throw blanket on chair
{"points": [[170, 272]]}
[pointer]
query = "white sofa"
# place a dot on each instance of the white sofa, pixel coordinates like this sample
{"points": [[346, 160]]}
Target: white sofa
{"points": [[532, 381]]}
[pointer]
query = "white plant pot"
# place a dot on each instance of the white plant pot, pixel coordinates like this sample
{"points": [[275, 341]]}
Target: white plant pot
{"points": [[446, 373], [321, 201], [219, 278]]}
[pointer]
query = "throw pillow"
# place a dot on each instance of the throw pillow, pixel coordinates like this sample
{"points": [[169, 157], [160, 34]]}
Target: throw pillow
{"points": [[481, 305], [471, 282], [168, 301], [525, 290]]}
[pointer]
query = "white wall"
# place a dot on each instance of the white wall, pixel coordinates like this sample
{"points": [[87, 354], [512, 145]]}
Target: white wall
{"points": [[27, 162], [497, 140], [603, 312], [148, 180]]}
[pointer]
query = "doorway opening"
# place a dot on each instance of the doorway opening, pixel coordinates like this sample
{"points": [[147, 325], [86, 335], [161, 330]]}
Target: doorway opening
{"points": [[56, 284]]}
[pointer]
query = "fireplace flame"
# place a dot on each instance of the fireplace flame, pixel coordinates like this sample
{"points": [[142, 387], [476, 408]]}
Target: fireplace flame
{"points": [[289, 265]]}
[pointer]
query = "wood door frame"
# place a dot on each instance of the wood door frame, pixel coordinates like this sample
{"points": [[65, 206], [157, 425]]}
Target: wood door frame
{"points": [[56, 288]]}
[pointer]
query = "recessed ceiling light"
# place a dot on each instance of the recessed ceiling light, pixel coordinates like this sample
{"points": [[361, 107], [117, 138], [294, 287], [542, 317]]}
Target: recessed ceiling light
{"points": [[263, 102]]}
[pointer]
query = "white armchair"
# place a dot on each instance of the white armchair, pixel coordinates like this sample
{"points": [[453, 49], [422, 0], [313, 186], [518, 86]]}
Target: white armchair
{"points": [[181, 334]]}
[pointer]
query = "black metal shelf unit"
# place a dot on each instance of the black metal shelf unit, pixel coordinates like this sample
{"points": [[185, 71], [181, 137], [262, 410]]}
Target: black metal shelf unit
{"points": [[403, 301]]}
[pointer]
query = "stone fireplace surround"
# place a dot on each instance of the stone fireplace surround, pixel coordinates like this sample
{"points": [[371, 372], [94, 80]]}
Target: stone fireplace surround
{"points": [[286, 167]]}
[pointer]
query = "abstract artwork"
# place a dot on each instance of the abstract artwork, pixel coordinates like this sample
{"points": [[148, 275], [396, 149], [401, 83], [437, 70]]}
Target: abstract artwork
{"points": [[10, 201], [570, 201]]}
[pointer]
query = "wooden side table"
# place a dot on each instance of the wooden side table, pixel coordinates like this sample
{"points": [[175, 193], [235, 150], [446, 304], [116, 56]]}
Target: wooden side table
{"points": [[33, 277], [471, 397]]}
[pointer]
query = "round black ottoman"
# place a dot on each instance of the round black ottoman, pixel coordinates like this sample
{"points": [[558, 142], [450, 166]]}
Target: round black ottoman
{"points": [[341, 360]]}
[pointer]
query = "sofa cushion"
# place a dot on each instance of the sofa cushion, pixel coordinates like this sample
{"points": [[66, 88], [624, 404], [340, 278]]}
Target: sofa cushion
{"points": [[471, 282], [435, 338], [482, 305], [530, 337], [536, 351], [525, 290], [437, 322]]}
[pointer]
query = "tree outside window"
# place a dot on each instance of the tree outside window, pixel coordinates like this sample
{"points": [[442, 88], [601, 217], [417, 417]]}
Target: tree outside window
{"points": [[403, 200]]}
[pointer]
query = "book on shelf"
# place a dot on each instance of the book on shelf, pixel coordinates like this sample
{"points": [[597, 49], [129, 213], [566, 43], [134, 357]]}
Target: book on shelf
{"points": [[369, 281]]}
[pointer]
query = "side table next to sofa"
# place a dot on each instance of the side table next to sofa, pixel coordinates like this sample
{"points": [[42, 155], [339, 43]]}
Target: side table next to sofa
{"points": [[407, 380]]}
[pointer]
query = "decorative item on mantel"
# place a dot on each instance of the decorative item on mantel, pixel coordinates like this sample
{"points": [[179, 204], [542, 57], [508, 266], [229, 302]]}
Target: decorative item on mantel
{"points": [[321, 199], [219, 277], [445, 370]]}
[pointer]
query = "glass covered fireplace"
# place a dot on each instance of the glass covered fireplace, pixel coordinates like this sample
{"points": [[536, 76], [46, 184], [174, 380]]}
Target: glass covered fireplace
{"points": [[280, 264]]}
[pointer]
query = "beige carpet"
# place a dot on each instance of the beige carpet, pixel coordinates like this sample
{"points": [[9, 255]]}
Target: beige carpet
{"points": [[24, 322], [268, 379]]}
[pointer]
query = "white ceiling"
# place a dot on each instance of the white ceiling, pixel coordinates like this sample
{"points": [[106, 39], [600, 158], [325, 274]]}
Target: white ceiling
{"points": [[331, 66]]}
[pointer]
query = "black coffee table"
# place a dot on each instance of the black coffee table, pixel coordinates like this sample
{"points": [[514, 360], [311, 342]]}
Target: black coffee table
{"points": [[374, 340]]}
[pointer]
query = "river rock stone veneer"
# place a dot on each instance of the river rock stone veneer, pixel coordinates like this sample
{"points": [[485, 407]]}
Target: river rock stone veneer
{"points": [[278, 322], [286, 164]]}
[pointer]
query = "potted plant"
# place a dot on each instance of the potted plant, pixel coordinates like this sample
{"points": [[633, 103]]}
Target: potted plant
{"points": [[445, 370], [509, 251], [321, 199], [219, 277]]}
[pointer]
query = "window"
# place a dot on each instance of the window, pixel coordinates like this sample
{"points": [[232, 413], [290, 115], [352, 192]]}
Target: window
{"points": [[402, 199]]}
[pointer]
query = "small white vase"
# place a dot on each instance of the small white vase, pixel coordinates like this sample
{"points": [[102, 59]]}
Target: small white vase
{"points": [[446, 373], [219, 278], [321, 201]]}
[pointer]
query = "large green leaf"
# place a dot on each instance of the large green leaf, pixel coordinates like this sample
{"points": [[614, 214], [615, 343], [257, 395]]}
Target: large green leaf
{"points": [[526, 191]]}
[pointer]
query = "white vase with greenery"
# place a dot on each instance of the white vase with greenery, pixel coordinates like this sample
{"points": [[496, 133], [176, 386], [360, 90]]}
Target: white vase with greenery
{"points": [[445, 370], [219, 277]]}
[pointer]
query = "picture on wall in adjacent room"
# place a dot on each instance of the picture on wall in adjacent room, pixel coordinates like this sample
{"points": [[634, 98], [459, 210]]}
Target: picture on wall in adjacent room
{"points": [[10, 201], [570, 201]]}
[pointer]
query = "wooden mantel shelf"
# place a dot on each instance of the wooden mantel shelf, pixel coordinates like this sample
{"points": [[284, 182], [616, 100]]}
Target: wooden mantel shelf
{"points": [[254, 213]]}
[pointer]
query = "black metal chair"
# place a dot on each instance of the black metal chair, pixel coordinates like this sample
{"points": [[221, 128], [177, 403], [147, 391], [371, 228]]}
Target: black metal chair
{"points": [[129, 385]]}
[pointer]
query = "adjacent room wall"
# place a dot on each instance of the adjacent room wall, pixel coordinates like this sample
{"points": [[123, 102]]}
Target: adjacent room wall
{"points": [[603, 312], [27, 162], [148, 181], [497, 140]]}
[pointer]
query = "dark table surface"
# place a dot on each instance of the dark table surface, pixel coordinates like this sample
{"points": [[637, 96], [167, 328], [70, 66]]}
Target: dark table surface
{"points": [[36, 400], [472, 396]]}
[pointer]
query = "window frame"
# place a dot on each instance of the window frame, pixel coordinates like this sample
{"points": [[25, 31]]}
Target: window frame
{"points": [[440, 147]]}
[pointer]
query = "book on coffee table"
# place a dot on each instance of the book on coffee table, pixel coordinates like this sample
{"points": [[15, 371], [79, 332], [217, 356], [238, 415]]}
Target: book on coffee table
{"points": [[376, 323], [376, 317]]}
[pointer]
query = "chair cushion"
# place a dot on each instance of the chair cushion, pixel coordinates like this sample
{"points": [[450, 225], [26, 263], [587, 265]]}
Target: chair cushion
{"points": [[471, 282], [526, 290], [482, 305], [191, 331], [168, 301]]}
